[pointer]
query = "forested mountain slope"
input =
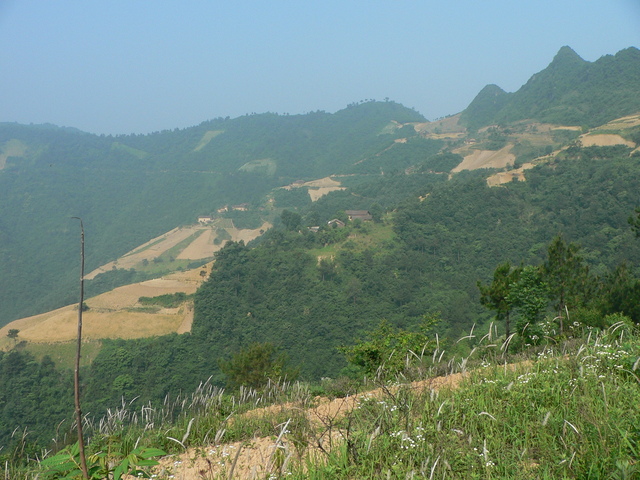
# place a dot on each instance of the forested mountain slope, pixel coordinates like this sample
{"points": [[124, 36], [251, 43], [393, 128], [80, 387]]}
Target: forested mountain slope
{"points": [[131, 188], [284, 293], [570, 91], [309, 293]]}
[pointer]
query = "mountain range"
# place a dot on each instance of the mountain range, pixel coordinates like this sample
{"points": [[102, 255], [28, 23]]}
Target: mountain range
{"points": [[269, 198], [131, 188]]}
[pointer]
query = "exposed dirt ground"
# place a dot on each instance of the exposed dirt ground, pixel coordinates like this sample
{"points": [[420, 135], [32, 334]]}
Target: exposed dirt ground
{"points": [[116, 314], [318, 188], [148, 251], [444, 126], [622, 123], [506, 177], [256, 459], [486, 159], [605, 140], [203, 245], [247, 235]]}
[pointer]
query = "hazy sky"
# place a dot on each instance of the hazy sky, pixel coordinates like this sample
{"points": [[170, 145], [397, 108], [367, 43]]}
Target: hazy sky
{"points": [[139, 66]]}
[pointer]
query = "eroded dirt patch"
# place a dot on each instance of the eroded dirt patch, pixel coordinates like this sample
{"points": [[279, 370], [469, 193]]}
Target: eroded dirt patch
{"points": [[605, 140], [318, 188], [486, 159], [506, 177]]}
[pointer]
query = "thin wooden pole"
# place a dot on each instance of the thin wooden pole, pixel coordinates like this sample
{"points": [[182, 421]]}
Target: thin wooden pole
{"points": [[76, 374]]}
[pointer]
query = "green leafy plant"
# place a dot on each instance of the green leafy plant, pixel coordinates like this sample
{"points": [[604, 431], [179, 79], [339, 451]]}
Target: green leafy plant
{"points": [[115, 465], [254, 365], [391, 347]]}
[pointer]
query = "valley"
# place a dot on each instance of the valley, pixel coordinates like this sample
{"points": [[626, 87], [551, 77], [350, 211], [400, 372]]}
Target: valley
{"points": [[118, 313], [303, 260]]}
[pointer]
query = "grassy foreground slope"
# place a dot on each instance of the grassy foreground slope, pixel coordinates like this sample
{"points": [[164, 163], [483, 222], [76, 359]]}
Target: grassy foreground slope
{"points": [[566, 409]]}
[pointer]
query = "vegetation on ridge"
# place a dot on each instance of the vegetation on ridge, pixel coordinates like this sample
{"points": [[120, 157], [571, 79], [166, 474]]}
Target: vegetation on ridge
{"points": [[570, 91], [131, 188]]}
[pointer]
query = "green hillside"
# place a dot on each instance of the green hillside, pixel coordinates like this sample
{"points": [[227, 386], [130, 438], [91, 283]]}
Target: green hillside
{"points": [[570, 91], [131, 188], [311, 292]]}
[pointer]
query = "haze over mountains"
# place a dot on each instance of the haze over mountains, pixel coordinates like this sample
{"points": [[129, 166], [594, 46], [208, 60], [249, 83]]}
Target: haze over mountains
{"points": [[131, 188]]}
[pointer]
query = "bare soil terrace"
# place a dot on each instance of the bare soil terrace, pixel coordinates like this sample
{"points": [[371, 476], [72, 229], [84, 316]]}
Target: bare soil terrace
{"points": [[115, 314], [486, 159], [118, 314], [318, 188]]}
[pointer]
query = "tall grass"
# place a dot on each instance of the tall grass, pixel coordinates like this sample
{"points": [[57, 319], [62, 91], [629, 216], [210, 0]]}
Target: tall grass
{"points": [[564, 410], [570, 414], [208, 415]]}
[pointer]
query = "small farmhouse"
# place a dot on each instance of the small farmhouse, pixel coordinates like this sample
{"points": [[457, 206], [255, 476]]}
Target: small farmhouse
{"points": [[205, 219], [363, 215], [335, 223]]}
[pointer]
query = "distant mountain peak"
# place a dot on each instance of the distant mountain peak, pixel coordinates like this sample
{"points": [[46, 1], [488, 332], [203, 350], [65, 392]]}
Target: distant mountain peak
{"points": [[566, 59], [484, 107], [567, 52], [569, 91], [491, 90], [628, 53]]}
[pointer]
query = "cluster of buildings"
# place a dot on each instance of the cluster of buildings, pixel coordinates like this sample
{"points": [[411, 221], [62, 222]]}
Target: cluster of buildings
{"points": [[362, 215], [204, 219]]}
